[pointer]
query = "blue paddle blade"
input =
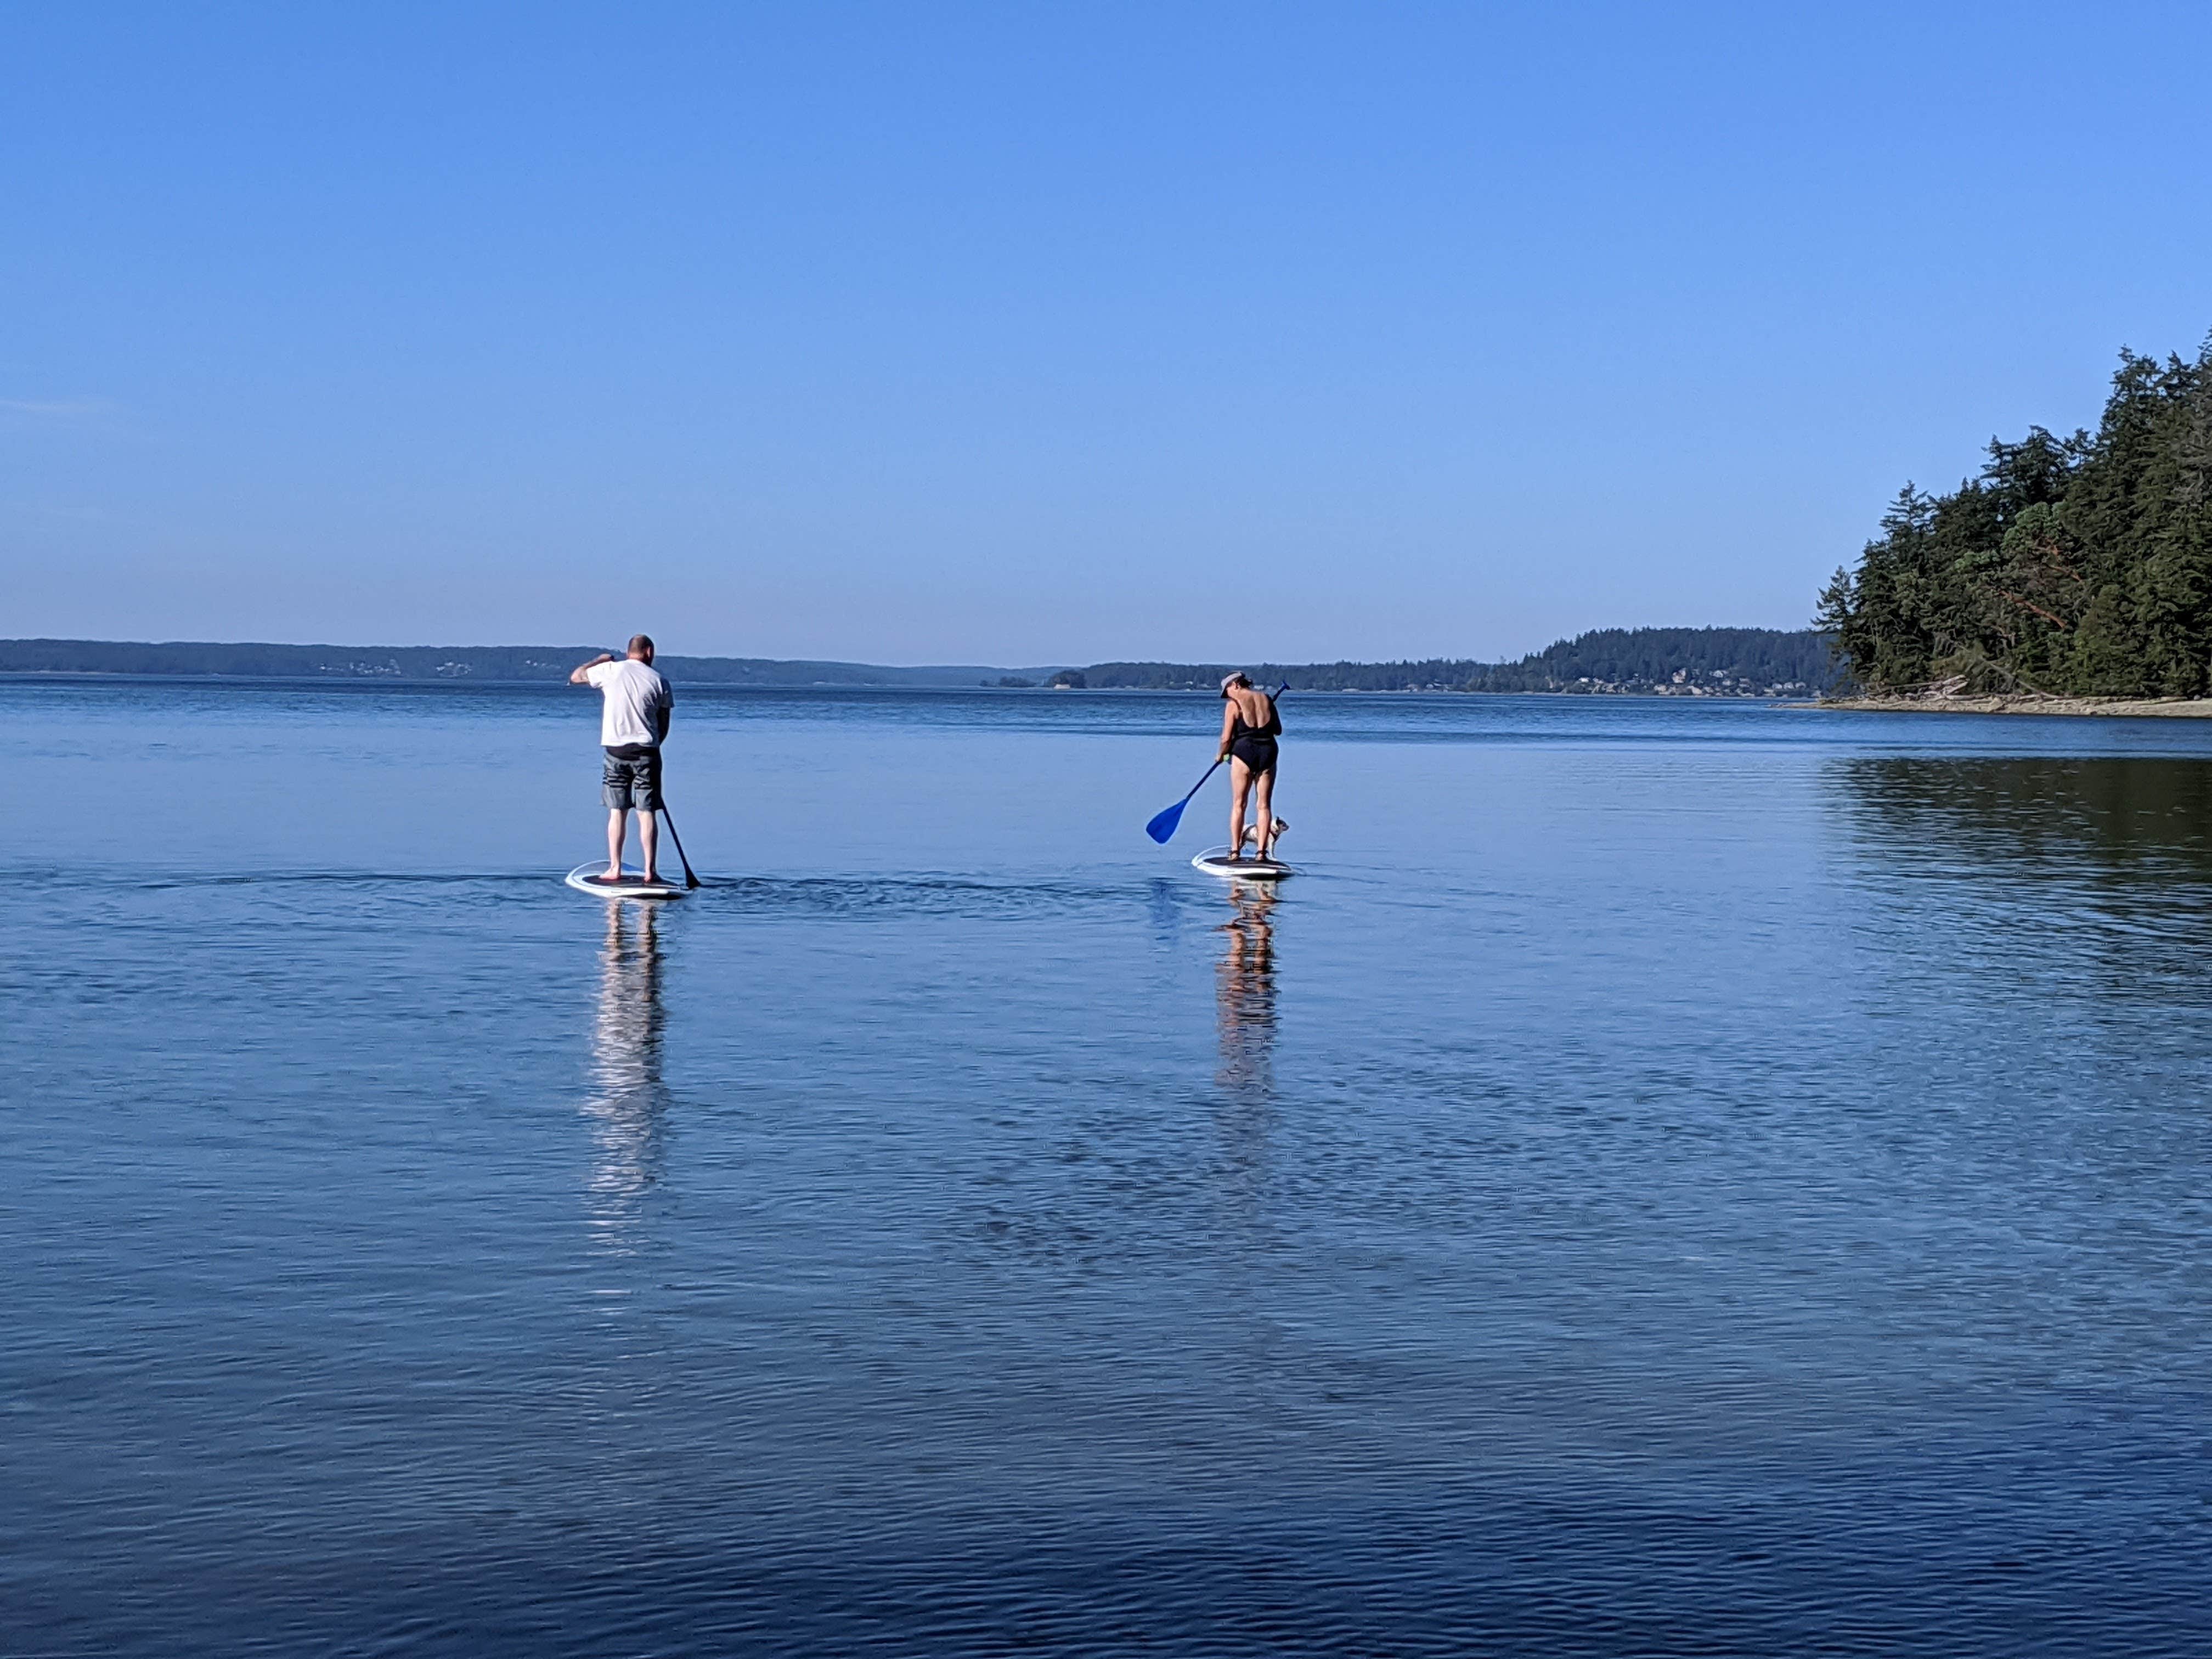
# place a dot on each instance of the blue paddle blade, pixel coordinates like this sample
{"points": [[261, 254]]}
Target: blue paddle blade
{"points": [[1164, 824]]}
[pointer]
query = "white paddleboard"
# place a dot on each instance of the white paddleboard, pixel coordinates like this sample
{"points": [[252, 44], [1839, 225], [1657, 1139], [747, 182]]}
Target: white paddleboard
{"points": [[585, 878], [1216, 861]]}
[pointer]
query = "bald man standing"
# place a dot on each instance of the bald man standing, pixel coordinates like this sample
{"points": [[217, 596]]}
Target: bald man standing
{"points": [[636, 703]]}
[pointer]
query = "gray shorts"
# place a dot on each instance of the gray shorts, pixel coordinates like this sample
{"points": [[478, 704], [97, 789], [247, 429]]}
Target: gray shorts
{"points": [[631, 782]]}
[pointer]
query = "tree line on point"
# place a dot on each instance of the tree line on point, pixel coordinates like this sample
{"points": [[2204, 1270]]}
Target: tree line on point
{"points": [[2079, 566]]}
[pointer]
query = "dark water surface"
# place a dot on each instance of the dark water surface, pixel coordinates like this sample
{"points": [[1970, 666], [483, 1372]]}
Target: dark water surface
{"points": [[1669, 1178]]}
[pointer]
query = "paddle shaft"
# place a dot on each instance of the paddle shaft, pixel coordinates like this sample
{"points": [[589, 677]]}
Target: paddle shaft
{"points": [[689, 880], [1200, 784]]}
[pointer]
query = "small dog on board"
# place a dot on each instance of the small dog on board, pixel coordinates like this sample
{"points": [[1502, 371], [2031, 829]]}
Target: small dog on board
{"points": [[1252, 837]]}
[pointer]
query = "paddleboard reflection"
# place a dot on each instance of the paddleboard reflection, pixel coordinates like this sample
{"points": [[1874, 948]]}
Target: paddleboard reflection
{"points": [[1245, 994], [629, 1101], [1244, 1012]]}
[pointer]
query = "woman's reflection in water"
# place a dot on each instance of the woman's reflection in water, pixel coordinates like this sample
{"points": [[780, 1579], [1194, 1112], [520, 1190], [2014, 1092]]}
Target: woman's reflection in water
{"points": [[629, 1098], [1244, 1001]]}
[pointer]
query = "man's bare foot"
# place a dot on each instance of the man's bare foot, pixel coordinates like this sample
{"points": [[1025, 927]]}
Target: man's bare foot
{"points": [[607, 880], [651, 878]]}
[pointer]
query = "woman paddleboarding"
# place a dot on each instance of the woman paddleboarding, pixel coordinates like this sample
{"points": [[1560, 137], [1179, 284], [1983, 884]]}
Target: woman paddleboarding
{"points": [[1249, 727]]}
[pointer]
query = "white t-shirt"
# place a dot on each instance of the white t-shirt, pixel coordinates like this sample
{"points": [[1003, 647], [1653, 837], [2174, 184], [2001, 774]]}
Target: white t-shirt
{"points": [[633, 696]]}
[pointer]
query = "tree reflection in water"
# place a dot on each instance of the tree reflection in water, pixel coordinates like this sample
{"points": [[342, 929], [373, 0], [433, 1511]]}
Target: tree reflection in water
{"points": [[2118, 819], [628, 1099], [2089, 872]]}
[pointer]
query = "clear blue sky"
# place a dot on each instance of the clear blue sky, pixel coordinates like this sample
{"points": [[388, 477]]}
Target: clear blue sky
{"points": [[1033, 333]]}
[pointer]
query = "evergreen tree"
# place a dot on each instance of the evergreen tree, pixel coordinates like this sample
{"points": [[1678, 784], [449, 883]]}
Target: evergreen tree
{"points": [[2076, 565]]}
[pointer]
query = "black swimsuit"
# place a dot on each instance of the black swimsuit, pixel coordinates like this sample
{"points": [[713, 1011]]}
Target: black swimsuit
{"points": [[1255, 744]]}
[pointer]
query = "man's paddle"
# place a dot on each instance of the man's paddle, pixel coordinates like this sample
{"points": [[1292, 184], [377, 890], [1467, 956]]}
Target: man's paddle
{"points": [[1163, 826], [689, 880]]}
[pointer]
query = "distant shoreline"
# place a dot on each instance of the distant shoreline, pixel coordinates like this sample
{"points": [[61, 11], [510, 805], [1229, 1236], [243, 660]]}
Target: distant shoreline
{"points": [[2129, 708], [412, 683], [1709, 662]]}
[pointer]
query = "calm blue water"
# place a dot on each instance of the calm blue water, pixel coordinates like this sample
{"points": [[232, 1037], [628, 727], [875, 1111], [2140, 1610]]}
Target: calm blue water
{"points": [[1669, 1178]]}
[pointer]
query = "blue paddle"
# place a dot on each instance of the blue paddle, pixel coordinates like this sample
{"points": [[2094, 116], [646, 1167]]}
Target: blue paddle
{"points": [[1164, 823], [1163, 826]]}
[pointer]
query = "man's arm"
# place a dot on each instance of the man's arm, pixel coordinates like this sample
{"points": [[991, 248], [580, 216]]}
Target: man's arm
{"points": [[576, 675], [664, 712]]}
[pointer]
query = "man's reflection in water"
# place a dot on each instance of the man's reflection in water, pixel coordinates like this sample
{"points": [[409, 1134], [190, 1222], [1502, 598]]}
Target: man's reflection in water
{"points": [[1244, 1002], [629, 1098]]}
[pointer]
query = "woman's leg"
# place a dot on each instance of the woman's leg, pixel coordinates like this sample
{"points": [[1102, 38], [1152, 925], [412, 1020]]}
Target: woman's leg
{"points": [[1266, 819], [1240, 787]]}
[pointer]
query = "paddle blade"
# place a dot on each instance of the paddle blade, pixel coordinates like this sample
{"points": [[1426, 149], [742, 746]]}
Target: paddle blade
{"points": [[1164, 825]]}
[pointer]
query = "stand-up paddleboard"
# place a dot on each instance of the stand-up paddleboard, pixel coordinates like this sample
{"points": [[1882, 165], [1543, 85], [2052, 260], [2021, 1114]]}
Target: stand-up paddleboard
{"points": [[633, 883], [1216, 861]]}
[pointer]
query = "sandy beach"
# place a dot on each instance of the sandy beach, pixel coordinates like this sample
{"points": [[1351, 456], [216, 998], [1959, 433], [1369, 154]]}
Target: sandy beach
{"points": [[2181, 708]]}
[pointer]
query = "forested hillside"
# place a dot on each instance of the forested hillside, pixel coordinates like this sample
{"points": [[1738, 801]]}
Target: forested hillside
{"points": [[1740, 661], [1434, 675], [1760, 660], [2078, 565]]}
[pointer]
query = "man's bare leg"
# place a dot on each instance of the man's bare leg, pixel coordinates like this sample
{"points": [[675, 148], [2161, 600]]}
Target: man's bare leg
{"points": [[648, 842], [615, 827]]}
